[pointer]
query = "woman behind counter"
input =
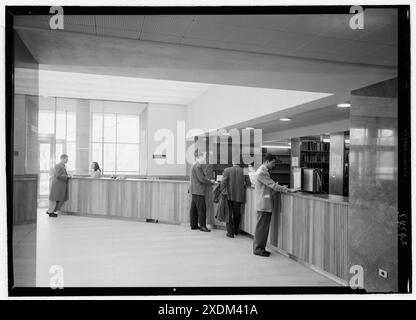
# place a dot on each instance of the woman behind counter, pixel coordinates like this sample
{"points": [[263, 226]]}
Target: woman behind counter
{"points": [[95, 170]]}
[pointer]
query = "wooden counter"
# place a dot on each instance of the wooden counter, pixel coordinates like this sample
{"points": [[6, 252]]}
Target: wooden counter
{"points": [[25, 194], [165, 200], [311, 228]]}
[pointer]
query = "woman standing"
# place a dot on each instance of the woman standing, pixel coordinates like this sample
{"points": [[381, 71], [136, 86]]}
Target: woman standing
{"points": [[59, 187]]}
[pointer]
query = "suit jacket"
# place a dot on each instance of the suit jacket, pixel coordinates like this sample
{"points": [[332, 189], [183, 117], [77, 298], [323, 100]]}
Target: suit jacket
{"points": [[198, 180], [236, 183], [59, 186], [264, 187]]}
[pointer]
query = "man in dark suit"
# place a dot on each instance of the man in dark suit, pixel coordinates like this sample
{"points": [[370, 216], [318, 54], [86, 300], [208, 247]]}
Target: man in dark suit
{"points": [[236, 184], [59, 188], [197, 188]]}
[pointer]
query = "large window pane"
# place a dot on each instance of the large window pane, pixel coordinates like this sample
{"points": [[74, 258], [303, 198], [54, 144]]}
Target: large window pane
{"points": [[97, 153], [71, 152], [109, 164], [127, 128], [97, 127], [46, 122], [60, 125], [59, 151], [109, 128], [45, 156], [71, 126], [127, 157]]}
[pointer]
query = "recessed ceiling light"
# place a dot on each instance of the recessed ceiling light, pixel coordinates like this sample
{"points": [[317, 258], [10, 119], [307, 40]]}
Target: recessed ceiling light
{"points": [[344, 105], [249, 128], [285, 119], [226, 134]]}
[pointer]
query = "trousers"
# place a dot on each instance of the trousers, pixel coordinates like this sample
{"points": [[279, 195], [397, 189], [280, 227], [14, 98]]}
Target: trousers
{"points": [[262, 231]]}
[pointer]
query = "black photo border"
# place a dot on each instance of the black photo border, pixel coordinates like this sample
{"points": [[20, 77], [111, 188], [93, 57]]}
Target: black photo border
{"points": [[404, 171]]}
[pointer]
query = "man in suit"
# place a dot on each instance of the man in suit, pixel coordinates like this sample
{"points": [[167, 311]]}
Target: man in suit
{"points": [[236, 184], [59, 187], [197, 188], [264, 188]]}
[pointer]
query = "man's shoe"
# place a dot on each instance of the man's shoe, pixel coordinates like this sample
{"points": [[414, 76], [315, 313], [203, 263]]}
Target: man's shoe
{"points": [[53, 215], [267, 252], [262, 254], [230, 235], [195, 228], [204, 229]]}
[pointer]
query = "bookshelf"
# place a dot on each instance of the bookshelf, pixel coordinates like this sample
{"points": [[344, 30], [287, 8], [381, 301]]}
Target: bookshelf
{"points": [[281, 171], [315, 154]]}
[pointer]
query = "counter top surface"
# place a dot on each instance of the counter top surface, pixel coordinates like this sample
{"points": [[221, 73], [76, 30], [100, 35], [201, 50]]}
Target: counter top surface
{"points": [[129, 179], [320, 196], [317, 196]]}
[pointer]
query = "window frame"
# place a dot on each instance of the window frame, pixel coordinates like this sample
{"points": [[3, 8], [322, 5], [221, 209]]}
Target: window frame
{"points": [[116, 143]]}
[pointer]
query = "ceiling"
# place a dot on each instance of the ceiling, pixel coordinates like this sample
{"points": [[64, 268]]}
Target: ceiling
{"points": [[308, 118], [102, 87], [317, 53], [324, 36], [314, 117]]}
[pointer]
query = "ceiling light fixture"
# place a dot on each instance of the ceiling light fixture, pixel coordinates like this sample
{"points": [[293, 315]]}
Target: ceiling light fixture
{"points": [[344, 105], [285, 119]]}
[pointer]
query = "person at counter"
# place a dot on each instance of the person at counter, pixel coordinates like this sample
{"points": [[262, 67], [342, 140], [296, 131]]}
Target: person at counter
{"points": [[264, 187], [59, 187], [197, 188], [95, 170], [236, 184]]}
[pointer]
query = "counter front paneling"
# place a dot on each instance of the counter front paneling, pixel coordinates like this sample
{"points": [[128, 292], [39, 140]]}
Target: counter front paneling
{"points": [[164, 200], [311, 228], [315, 231]]}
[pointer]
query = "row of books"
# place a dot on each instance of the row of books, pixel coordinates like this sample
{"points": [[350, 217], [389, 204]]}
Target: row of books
{"points": [[315, 157], [315, 146]]}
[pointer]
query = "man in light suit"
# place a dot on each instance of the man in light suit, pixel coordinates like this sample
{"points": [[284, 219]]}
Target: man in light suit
{"points": [[236, 184], [59, 187], [264, 188], [197, 188]]}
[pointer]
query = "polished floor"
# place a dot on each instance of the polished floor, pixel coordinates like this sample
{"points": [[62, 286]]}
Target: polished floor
{"points": [[96, 252]]}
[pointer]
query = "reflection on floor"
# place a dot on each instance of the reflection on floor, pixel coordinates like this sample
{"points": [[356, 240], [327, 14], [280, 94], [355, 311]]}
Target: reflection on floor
{"points": [[98, 252]]}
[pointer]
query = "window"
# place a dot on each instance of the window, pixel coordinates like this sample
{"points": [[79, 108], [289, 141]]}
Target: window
{"points": [[57, 135], [115, 142], [66, 137], [46, 123]]}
